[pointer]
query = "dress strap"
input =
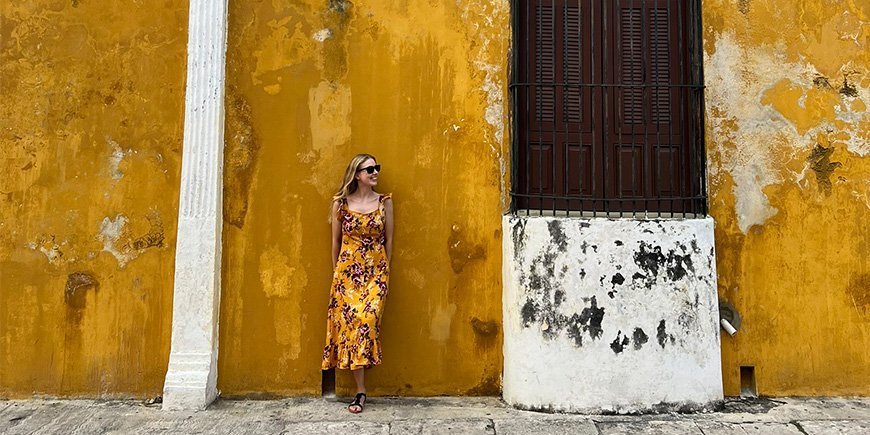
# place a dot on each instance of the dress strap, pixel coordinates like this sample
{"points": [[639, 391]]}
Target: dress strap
{"points": [[384, 197]]}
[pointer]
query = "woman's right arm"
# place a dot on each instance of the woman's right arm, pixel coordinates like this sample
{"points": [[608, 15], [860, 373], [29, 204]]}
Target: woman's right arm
{"points": [[336, 234]]}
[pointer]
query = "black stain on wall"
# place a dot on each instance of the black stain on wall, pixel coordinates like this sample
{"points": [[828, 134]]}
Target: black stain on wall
{"points": [[619, 343], [640, 338], [591, 318], [557, 235], [649, 258], [662, 335], [558, 297], [617, 279], [518, 236], [677, 265], [529, 313]]}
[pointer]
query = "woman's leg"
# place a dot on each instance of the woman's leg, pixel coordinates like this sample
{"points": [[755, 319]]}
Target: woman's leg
{"points": [[359, 377]]}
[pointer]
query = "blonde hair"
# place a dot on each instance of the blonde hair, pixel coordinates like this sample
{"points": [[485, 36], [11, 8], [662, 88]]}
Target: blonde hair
{"points": [[349, 183]]}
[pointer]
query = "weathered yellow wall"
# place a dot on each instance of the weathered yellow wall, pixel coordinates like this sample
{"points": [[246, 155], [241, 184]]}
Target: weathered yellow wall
{"points": [[91, 99], [421, 85], [789, 165]]}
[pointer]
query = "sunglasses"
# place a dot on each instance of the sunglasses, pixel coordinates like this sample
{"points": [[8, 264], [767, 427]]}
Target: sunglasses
{"points": [[370, 169]]}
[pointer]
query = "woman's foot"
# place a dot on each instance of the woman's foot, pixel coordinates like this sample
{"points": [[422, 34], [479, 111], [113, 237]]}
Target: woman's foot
{"points": [[358, 403]]}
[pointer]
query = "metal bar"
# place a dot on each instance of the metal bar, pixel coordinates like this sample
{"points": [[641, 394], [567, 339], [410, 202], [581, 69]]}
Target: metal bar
{"points": [[529, 121], [701, 109], [670, 109], [687, 141], [562, 197], [605, 112], [608, 85], [554, 140], [593, 107], [514, 106]]}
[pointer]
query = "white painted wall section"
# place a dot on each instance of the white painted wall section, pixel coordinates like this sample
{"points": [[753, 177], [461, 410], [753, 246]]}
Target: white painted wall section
{"points": [[610, 315]]}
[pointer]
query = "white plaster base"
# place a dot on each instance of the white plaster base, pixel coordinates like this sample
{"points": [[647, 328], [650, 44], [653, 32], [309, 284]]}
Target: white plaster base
{"points": [[191, 378], [610, 315], [191, 382]]}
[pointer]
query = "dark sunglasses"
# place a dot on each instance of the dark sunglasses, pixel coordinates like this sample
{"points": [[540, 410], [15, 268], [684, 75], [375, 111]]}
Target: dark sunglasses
{"points": [[370, 169]]}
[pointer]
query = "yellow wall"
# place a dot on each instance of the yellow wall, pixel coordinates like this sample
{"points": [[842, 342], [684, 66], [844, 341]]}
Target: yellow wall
{"points": [[789, 174], [91, 110], [91, 98], [421, 85]]}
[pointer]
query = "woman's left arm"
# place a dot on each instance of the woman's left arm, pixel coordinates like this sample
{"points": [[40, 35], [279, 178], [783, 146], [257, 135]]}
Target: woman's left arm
{"points": [[388, 208]]}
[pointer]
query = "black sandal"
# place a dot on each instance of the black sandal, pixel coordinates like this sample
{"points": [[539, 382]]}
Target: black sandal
{"points": [[357, 402]]}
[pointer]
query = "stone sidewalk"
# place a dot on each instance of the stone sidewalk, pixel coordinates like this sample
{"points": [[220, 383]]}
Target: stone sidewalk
{"points": [[445, 415]]}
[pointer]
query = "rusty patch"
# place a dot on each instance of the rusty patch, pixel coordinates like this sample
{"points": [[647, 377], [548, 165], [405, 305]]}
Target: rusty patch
{"points": [[75, 293], [743, 6], [461, 252], [240, 157], [821, 164], [859, 291]]}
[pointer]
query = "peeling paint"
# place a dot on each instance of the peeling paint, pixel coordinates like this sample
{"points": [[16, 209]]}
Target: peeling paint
{"points": [[788, 139]]}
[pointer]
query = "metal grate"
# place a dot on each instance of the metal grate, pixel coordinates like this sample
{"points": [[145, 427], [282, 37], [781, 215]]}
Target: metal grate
{"points": [[607, 102]]}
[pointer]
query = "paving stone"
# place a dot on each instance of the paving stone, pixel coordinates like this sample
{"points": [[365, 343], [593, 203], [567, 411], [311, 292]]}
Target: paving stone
{"points": [[541, 426], [817, 416], [330, 428], [442, 427], [747, 428], [648, 427], [844, 427]]}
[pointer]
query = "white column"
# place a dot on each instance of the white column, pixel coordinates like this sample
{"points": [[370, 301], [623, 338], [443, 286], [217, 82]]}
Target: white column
{"points": [[191, 380]]}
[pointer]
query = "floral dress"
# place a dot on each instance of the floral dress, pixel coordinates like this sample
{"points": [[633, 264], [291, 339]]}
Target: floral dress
{"points": [[359, 289]]}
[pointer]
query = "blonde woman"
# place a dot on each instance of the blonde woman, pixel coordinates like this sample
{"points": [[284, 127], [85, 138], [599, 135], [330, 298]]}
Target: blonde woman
{"points": [[362, 245]]}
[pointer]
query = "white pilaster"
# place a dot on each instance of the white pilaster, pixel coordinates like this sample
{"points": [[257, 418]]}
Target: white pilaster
{"points": [[191, 380]]}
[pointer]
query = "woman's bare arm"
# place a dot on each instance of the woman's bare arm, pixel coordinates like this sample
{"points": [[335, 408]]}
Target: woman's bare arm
{"points": [[388, 208], [336, 234]]}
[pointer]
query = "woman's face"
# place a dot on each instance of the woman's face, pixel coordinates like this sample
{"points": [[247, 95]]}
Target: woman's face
{"points": [[363, 177]]}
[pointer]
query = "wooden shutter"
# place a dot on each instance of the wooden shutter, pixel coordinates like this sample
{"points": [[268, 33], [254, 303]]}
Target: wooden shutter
{"points": [[602, 104]]}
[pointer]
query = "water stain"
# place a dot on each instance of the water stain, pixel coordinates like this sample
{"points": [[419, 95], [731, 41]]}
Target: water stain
{"points": [[240, 156], [821, 164], [461, 251], [488, 386], [858, 291], [488, 328], [75, 294]]}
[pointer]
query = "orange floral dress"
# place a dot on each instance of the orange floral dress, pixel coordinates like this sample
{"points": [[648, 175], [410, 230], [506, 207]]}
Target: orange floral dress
{"points": [[359, 290]]}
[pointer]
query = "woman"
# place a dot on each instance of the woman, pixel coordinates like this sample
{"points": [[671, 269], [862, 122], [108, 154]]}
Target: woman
{"points": [[362, 245]]}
